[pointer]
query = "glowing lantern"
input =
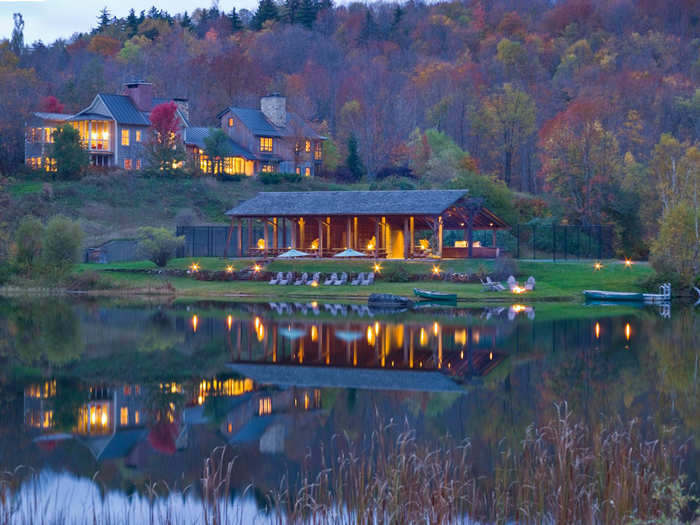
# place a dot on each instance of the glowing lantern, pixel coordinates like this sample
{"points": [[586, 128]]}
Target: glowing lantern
{"points": [[261, 244], [229, 269], [628, 263], [256, 268], [314, 283], [597, 266], [436, 270], [194, 267], [377, 268]]}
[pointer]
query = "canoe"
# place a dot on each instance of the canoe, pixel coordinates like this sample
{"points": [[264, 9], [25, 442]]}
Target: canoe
{"points": [[600, 295], [435, 296]]}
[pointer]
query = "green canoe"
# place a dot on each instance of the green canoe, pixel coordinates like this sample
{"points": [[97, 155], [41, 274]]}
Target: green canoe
{"points": [[600, 295], [435, 296]]}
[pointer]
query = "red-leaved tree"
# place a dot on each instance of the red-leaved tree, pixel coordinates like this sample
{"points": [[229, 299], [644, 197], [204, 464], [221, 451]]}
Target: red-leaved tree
{"points": [[51, 104], [164, 148]]}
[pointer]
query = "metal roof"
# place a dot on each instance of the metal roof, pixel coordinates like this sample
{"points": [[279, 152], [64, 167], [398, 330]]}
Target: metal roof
{"points": [[195, 136], [123, 109], [326, 203], [257, 123], [53, 116]]}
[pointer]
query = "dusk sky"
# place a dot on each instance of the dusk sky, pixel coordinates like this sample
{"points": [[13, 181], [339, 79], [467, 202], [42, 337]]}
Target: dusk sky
{"points": [[48, 20]]}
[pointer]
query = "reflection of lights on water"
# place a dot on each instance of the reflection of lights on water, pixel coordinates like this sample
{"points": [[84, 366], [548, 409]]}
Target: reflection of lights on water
{"points": [[376, 328], [195, 322], [370, 336], [461, 354], [490, 356], [314, 333], [436, 328], [229, 322], [628, 331], [517, 308], [314, 304], [597, 330], [257, 322], [423, 337]]}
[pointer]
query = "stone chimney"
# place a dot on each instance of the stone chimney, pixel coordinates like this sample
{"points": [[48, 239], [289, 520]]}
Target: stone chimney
{"points": [[141, 93], [274, 107], [183, 105]]}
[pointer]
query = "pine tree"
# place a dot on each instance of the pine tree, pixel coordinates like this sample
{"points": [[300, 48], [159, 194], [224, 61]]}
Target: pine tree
{"points": [[17, 39], [289, 12], [186, 21], [369, 30], [267, 10], [398, 15], [103, 19], [307, 13], [236, 23], [132, 23], [354, 162]]}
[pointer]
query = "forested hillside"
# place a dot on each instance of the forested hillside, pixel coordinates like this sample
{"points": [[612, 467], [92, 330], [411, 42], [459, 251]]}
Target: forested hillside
{"points": [[590, 104]]}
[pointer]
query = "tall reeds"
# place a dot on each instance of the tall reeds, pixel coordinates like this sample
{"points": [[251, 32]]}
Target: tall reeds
{"points": [[562, 472]]}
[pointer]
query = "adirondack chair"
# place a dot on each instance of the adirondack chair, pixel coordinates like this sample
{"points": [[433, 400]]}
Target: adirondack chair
{"points": [[512, 283], [276, 279], [343, 279], [314, 279], [302, 280], [368, 280], [530, 283], [358, 280], [491, 286], [331, 280], [287, 279]]}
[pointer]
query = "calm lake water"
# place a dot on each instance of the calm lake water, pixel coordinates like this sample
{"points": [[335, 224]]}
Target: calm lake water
{"points": [[139, 392]]}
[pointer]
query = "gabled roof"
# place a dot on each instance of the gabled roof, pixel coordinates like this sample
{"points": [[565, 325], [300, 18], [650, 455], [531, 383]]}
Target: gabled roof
{"points": [[397, 202], [195, 136], [123, 109], [257, 123]]}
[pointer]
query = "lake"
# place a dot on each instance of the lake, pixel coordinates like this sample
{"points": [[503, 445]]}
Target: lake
{"points": [[99, 398]]}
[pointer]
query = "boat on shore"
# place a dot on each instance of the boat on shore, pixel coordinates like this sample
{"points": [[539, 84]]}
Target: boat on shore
{"points": [[434, 296], [603, 295]]}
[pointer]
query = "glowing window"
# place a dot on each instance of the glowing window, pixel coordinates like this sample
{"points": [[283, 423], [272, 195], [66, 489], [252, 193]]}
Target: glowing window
{"points": [[298, 170], [138, 135], [127, 164], [318, 151], [125, 137], [307, 172], [307, 146], [267, 168], [137, 417], [266, 144], [230, 122], [138, 164], [124, 416]]}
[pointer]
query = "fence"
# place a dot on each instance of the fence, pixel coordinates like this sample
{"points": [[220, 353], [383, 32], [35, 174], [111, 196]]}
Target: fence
{"points": [[560, 242]]}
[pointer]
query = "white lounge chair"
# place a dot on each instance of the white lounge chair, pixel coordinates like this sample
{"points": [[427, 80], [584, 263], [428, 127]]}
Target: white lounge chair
{"points": [[287, 279], [302, 280], [530, 283], [331, 280], [276, 279], [343, 279], [512, 283], [368, 280], [358, 280]]}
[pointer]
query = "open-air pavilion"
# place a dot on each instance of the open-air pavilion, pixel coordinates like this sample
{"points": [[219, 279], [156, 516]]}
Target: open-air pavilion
{"points": [[396, 224]]}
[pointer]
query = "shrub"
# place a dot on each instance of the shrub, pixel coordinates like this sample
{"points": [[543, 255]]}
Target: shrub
{"points": [[89, 280], [236, 177], [676, 250], [270, 178], [397, 273], [504, 267], [158, 244], [291, 177], [61, 244], [27, 251], [71, 158]]}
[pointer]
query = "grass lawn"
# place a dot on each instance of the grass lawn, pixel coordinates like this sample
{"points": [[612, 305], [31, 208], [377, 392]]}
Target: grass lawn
{"points": [[555, 280]]}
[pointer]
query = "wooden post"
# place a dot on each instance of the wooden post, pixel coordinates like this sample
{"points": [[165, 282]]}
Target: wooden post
{"points": [[301, 233], [355, 235], [275, 240], [293, 226], [250, 236], [406, 253], [320, 238], [239, 240], [228, 238], [348, 233], [265, 239], [284, 233], [412, 245], [440, 237], [376, 239]]}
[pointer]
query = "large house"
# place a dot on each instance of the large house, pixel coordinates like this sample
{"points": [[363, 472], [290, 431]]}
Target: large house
{"points": [[114, 129]]}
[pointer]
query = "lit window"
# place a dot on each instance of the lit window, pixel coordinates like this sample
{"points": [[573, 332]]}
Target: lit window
{"points": [[266, 144], [267, 168], [127, 164], [138, 135], [124, 416], [307, 171], [318, 151], [138, 164], [307, 146], [137, 417], [298, 170], [125, 137], [230, 122]]}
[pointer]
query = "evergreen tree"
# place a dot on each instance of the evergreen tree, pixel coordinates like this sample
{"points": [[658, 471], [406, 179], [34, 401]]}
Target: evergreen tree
{"points": [[267, 10], [398, 15], [354, 162], [307, 13], [236, 22], [369, 30], [325, 4], [186, 21], [132, 23], [71, 157], [289, 13], [103, 19], [17, 39]]}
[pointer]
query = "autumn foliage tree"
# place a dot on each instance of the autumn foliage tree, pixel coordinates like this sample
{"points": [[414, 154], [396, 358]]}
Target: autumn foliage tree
{"points": [[164, 148]]}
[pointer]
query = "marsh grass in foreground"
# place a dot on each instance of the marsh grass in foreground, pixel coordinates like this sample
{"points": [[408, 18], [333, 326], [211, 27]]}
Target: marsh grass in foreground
{"points": [[562, 472]]}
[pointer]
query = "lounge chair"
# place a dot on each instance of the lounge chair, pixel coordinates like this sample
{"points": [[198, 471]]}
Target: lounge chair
{"points": [[512, 283], [491, 286], [315, 279], [287, 279], [343, 279], [368, 280], [302, 280], [331, 280], [276, 279], [358, 280], [530, 283]]}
